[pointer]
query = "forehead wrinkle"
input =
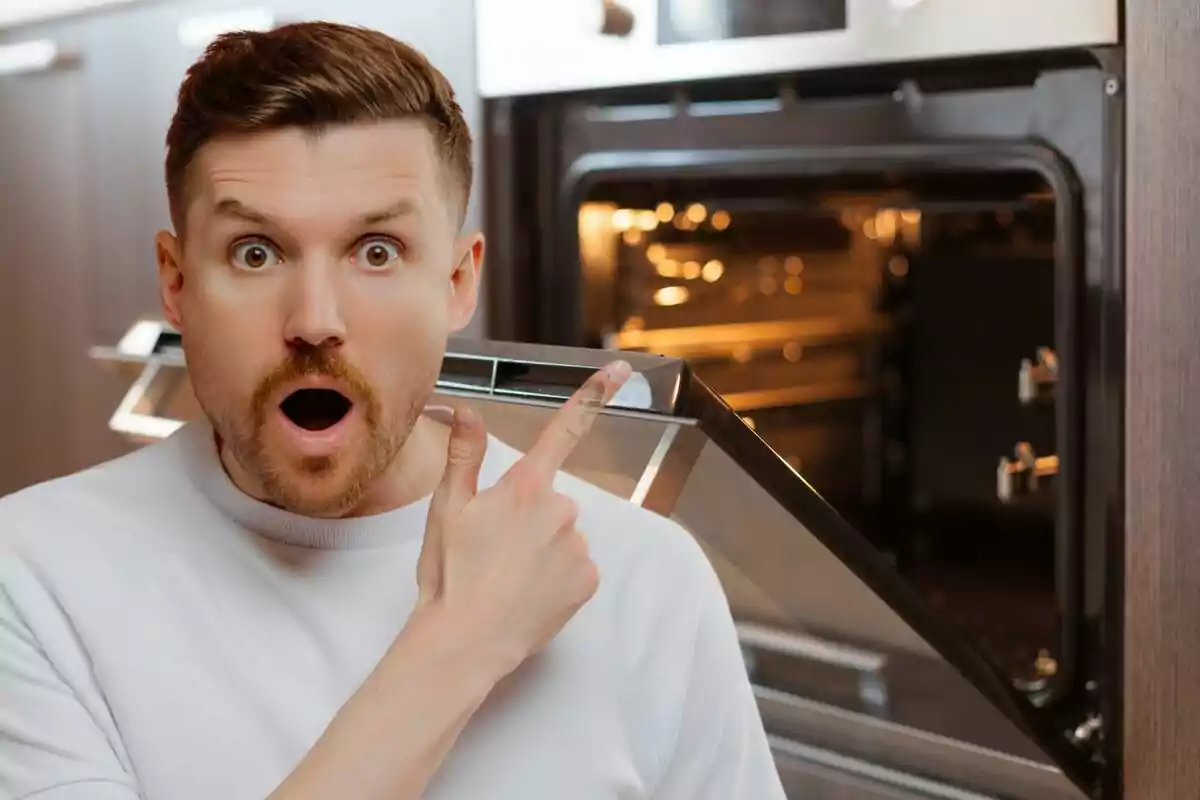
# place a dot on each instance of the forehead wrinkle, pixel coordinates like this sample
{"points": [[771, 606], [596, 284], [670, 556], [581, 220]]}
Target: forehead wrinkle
{"points": [[305, 171]]}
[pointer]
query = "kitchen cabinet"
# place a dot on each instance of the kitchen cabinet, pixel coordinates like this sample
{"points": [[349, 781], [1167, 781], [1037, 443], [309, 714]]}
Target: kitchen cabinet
{"points": [[1162, 365], [50, 421]]}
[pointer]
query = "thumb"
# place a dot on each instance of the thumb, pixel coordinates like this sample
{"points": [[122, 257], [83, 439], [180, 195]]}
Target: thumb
{"points": [[464, 459]]}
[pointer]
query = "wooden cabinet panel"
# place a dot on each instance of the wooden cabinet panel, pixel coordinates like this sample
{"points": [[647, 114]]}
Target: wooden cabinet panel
{"points": [[51, 423], [1162, 641]]}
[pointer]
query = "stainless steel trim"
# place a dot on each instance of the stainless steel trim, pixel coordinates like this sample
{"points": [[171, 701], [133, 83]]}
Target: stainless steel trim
{"points": [[130, 419], [666, 474], [810, 647], [541, 46], [869, 666], [791, 718], [652, 391], [871, 772]]}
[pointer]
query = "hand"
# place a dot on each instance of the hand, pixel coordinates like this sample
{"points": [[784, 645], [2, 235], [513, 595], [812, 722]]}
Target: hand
{"points": [[508, 561]]}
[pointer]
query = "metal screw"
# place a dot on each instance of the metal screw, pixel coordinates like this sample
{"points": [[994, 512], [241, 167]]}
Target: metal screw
{"points": [[1112, 86], [1087, 729]]}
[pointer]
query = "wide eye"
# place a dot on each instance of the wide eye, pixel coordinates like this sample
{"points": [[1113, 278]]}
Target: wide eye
{"points": [[377, 253], [255, 255]]}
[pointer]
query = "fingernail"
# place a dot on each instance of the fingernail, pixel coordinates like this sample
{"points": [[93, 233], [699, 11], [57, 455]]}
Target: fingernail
{"points": [[618, 370], [593, 395], [444, 414]]}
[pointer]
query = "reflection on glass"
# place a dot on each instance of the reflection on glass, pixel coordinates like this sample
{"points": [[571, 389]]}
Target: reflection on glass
{"points": [[874, 327], [810, 627]]}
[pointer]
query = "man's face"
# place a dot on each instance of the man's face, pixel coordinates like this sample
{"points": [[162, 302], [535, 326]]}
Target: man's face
{"points": [[316, 283]]}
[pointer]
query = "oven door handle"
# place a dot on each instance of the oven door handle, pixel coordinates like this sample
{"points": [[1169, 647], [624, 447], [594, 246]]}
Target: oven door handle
{"points": [[131, 418], [868, 664]]}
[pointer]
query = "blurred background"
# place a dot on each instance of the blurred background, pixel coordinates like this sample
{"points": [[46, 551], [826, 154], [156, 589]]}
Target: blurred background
{"points": [[888, 233]]}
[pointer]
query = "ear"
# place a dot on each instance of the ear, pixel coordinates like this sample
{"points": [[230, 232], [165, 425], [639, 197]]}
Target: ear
{"points": [[169, 252], [464, 281]]}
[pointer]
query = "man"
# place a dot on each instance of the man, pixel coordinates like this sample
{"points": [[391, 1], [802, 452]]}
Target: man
{"points": [[324, 590]]}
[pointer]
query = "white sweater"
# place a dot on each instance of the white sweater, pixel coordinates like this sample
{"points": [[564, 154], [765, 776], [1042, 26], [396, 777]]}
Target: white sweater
{"points": [[163, 635]]}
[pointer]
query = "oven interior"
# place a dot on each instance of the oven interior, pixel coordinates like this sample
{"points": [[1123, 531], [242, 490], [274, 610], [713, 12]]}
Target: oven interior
{"points": [[891, 333]]}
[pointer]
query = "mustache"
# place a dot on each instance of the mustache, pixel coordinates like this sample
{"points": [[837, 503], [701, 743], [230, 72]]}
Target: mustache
{"points": [[308, 360]]}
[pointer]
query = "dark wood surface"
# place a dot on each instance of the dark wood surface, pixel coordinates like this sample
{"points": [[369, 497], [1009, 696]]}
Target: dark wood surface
{"points": [[1162, 661]]}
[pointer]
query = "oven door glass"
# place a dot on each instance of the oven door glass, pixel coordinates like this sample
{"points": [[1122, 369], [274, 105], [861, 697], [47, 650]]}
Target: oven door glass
{"points": [[894, 335], [844, 654]]}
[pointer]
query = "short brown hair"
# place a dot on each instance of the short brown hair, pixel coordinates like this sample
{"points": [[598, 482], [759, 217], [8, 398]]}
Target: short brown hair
{"points": [[311, 75]]}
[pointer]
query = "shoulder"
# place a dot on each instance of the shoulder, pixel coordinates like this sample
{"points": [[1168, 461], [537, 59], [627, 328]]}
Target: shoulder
{"points": [[107, 497]]}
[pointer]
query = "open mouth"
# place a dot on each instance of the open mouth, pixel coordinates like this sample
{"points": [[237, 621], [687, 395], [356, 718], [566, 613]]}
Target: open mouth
{"points": [[315, 409]]}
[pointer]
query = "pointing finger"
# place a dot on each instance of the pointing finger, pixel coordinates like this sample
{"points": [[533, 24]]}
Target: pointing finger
{"points": [[574, 420]]}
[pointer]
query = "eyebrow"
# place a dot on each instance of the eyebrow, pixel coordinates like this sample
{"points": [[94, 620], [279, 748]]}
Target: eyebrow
{"points": [[401, 208], [230, 207], [236, 208]]}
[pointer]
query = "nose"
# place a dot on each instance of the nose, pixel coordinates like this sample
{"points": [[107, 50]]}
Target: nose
{"points": [[314, 316]]}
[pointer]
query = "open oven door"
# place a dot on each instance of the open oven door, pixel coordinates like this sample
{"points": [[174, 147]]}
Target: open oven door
{"points": [[866, 690]]}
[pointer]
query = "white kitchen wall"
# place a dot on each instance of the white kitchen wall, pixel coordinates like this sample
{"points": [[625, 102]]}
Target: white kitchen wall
{"points": [[13, 12]]}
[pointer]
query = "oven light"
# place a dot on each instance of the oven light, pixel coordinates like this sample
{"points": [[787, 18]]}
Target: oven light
{"points": [[622, 219], [632, 236], [683, 222], [720, 220], [665, 212], [691, 270], [667, 268], [713, 271], [911, 216], [792, 351], [671, 296], [898, 266], [656, 253], [697, 213], [794, 265], [646, 220], [768, 285], [793, 285], [885, 225]]}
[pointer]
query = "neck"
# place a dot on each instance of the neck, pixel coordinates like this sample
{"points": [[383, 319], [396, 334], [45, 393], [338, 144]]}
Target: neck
{"points": [[413, 474]]}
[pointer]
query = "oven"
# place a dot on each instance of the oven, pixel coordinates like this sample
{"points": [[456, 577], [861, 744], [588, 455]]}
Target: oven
{"points": [[887, 235]]}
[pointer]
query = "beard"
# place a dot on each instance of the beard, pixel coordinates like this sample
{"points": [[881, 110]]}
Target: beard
{"points": [[325, 486]]}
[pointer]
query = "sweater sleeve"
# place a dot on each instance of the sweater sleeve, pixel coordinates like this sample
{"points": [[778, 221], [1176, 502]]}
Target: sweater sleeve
{"points": [[51, 748], [721, 749]]}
